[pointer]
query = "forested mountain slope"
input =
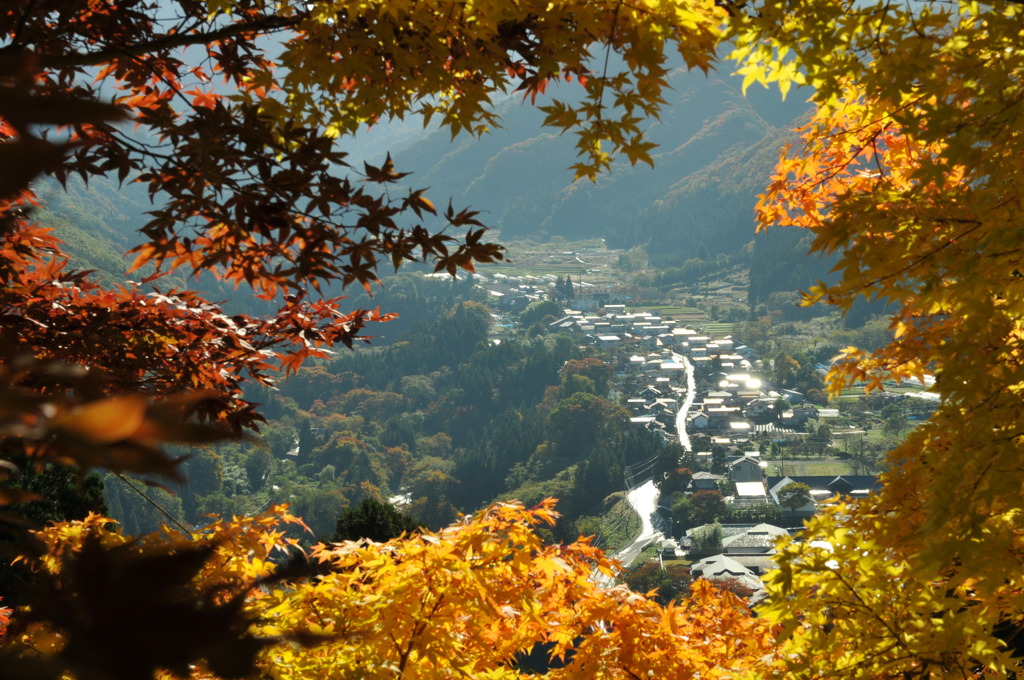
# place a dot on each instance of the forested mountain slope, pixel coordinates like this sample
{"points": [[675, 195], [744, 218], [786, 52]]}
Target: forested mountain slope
{"points": [[716, 150]]}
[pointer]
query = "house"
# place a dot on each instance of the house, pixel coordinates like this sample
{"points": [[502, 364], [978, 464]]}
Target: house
{"points": [[792, 396], [705, 481], [670, 548], [697, 421], [750, 493], [746, 469], [760, 409], [806, 412], [719, 567], [672, 368], [807, 509], [664, 405], [720, 417], [798, 416], [636, 404], [637, 362], [739, 427], [650, 393], [856, 486], [648, 342], [591, 300], [642, 421], [567, 323], [747, 353], [757, 540]]}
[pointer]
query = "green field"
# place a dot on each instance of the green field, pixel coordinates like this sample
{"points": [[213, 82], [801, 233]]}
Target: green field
{"points": [[535, 270], [619, 526], [809, 467], [529, 267], [680, 561], [717, 330], [673, 310]]}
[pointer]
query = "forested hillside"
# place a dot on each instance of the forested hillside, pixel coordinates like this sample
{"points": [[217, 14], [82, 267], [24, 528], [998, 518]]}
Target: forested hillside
{"points": [[441, 420], [716, 151]]}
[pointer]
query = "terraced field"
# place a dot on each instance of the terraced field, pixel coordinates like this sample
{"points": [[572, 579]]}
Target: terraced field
{"points": [[719, 330]]}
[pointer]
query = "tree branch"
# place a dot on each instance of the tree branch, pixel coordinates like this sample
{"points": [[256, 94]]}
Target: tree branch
{"points": [[168, 42]]}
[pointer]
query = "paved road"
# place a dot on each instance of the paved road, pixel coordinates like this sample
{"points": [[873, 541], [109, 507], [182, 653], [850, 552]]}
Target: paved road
{"points": [[684, 408], [644, 500]]}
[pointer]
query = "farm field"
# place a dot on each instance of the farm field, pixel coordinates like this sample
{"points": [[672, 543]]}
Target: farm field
{"points": [[718, 330], [809, 467]]}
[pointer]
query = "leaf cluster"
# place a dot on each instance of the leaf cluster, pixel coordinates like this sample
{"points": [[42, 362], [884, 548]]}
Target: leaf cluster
{"points": [[907, 174]]}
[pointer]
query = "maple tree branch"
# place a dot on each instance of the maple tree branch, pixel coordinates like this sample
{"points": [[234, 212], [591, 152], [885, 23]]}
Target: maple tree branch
{"points": [[607, 57], [169, 41], [23, 22], [147, 150], [977, 224]]}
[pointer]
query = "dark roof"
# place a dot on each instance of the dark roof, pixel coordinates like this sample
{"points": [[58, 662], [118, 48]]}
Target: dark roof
{"points": [[839, 484], [759, 564]]}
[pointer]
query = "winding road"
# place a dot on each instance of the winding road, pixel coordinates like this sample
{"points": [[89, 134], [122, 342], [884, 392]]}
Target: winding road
{"points": [[644, 498], [644, 501], [684, 407]]}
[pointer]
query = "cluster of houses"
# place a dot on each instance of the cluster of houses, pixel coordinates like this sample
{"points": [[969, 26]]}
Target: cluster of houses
{"points": [[739, 405], [613, 328], [652, 349], [512, 294], [733, 403], [747, 474], [742, 553]]}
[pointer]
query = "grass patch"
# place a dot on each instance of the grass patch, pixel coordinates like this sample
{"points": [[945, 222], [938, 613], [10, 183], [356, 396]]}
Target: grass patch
{"points": [[619, 526], [679, 561], [648, 553], [716, 329], [822, 468]]}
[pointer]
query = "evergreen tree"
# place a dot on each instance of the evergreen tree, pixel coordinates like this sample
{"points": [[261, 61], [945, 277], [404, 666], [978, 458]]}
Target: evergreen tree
{"points": [[373, 519]]}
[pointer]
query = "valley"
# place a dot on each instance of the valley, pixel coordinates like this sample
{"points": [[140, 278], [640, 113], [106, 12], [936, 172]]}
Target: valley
{"points": [[493, 387]]}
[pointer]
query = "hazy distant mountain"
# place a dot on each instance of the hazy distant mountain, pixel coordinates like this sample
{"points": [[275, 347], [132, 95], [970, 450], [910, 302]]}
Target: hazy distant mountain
{"points": [[716, 150]]}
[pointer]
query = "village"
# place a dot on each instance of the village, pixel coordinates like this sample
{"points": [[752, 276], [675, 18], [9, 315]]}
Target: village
{"points": [[732, 412], [722, 516]]}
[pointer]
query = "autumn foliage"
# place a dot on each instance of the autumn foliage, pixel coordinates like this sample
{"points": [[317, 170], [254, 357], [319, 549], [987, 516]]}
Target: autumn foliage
{"points": [[910, 173], [470, 600], [242, 155], [5, 620]]}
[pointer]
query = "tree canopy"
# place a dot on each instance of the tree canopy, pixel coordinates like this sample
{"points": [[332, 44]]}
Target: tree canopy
{"points": [[469, 600], [373, 519], [795, 495], [910, 172]]}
